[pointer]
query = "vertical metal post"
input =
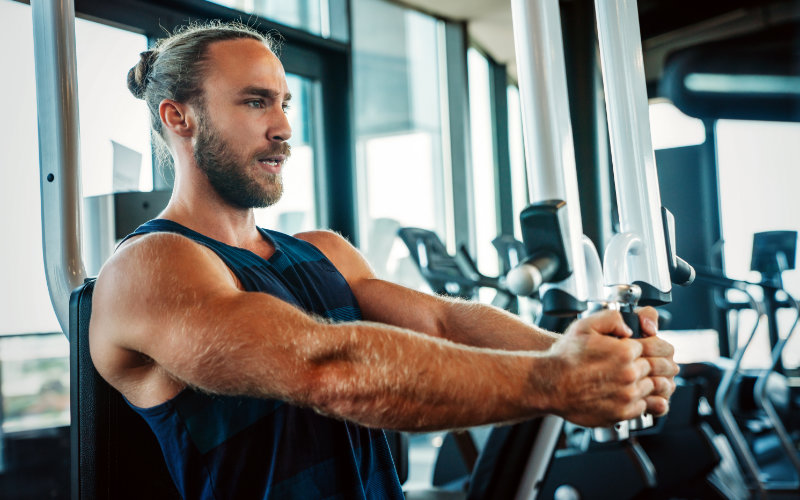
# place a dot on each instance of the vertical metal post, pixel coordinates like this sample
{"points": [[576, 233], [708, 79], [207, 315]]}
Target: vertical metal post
{"points": [[549, 150], [638, 253], [550, 160], [59, 149]]}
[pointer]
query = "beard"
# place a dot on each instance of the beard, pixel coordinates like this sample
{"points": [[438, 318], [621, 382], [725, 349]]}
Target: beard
{"points": [[235, 179]]}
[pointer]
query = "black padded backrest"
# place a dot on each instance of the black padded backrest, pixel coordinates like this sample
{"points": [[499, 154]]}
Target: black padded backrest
{"points": [[114, 453]]}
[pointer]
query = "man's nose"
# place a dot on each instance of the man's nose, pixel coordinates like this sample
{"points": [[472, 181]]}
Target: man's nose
{"points": [[280, 130]]}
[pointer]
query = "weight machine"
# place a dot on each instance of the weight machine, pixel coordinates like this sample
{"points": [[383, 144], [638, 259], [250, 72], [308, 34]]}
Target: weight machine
{"points": [[640, 262]]}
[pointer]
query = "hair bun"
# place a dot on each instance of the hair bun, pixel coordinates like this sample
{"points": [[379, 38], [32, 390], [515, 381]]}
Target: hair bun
{"points": [[137, 76]]}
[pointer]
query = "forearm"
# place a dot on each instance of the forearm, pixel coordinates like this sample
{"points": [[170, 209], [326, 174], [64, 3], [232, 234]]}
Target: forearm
{"points": [[370, 373], [480, 325], [463, 322], [393, 378]]}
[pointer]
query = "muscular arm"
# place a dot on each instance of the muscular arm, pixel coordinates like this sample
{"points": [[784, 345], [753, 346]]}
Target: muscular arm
{"points": [[167, 314], [472, 323], [461, 321]]}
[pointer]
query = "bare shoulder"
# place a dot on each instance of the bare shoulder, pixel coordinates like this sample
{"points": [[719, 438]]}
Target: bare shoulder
{"points": [[347, 259], [155, 259], [138, 290], [326, 241]]}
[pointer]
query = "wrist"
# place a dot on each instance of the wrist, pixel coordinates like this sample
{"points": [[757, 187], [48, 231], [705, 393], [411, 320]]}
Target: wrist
{"points": [[542, 383]]}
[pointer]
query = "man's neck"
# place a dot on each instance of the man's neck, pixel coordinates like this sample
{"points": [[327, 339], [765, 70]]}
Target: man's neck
{"points": [[212, 216]]}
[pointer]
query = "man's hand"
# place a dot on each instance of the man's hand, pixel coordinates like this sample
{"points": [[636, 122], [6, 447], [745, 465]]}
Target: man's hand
{"points": [[659, 354], [602, 376]]}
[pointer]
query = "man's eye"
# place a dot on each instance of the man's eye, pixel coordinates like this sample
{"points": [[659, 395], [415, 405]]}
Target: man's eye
{"points": [[255, 104], [286, 108]]}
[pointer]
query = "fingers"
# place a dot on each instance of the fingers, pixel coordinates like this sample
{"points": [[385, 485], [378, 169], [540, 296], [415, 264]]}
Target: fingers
{"points": [[657, 348], [657, 401], [663, 387], [637, 404], [605, 323], [662, 367], [648, 319], [657, 405], [644, 367]]}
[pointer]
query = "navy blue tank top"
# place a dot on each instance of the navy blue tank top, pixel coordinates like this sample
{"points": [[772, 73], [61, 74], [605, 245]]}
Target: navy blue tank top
{"points": [[240, 447]]}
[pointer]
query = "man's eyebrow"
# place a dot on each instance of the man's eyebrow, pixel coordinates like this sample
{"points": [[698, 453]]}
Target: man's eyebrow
{"points": [[266, 93]]}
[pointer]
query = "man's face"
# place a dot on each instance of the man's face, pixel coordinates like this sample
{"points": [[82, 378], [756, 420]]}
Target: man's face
{"points": [[242, 128]]}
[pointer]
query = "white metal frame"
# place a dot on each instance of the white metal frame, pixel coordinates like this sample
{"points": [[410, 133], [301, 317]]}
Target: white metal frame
{"points": [[638, 253], [59, 150]]}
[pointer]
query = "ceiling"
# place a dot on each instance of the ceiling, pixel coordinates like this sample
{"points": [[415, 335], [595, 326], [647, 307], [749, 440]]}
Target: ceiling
{"points": [[666, 25]]}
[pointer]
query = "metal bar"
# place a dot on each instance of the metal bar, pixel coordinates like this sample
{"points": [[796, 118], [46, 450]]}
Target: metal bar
{"points": [[635, 175], [539, 460], [552, 175], [59, 149], [549, 150]]}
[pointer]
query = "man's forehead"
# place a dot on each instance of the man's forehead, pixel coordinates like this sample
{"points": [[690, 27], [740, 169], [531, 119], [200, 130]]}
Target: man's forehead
{"points": [[245, 63]]}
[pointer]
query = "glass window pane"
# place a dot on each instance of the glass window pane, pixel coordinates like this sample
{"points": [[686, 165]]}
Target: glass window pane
{"points": [[24, 301], [35, 382], [401, 171], [758, 179], [296, 211], [34, 369], [309, 15], [114, 125], [483, 167]]}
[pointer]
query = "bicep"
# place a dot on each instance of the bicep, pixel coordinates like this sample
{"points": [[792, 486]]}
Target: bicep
{"points": [[380, 301], [185, 313], [393, 304]]}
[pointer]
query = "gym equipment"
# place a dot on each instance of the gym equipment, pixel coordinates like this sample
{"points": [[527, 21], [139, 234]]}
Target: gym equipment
{"points": [[454, 275], [109, 440], [59, 146], [773, 252], [640, 262]]}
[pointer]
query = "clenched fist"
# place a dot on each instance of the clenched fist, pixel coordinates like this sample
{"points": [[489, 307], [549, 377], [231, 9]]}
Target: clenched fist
{"points": [[600, 375]]}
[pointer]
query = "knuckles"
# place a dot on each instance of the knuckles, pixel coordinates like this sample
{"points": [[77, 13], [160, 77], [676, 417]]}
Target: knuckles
{"points": [[628, 374]]}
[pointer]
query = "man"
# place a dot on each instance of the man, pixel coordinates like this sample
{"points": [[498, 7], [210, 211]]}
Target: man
{"points": [[266, 364]]}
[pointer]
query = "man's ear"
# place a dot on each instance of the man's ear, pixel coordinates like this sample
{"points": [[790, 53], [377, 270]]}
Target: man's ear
{"points": [[177, 118]]}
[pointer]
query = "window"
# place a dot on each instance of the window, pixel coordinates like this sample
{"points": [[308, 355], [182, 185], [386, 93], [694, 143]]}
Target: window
{"points": [[34, 361], [484, 181], [114, 125], [399, 132], [758, 182], [24, 301], [296, 211], [313, 16]]}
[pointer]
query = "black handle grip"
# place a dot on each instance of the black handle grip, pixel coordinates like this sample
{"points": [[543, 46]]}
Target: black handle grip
{"points": [[632, 320]]}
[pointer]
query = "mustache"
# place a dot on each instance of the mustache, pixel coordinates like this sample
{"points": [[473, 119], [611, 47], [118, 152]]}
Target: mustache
{"points": [[280, 148]]}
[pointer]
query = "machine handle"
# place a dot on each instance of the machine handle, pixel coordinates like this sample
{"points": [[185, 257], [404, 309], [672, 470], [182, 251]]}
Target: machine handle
{"points": [[525, 279], [632, 320]]}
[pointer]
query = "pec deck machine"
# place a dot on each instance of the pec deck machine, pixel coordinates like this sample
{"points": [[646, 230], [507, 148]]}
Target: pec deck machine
{"points": [[640, 263]]}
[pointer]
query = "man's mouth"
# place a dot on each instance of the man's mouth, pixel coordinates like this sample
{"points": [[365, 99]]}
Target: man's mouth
{"points": [[272, 162]]}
